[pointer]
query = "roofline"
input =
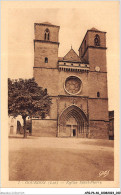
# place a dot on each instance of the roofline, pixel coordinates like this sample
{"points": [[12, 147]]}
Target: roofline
{"points": [[42, 24], [96, 31], [90, 31], [69, 51]]}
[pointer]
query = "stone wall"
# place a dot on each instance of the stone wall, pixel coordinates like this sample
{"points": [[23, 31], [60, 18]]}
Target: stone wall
{"points": [[48, 78], [83, 46], [98, 109], [44, 128], [89, 41], [65, 102], [40, 30], [91, 37], [46, 50], [97, 83], [54, 80], [98, 130], [97, 57]]}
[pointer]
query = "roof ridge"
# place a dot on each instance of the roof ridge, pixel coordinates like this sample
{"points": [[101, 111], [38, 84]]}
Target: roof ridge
{"points": [[71, 55], [75, 52], [70, 50]]}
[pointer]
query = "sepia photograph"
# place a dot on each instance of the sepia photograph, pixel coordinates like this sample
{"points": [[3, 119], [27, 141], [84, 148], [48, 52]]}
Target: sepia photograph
{"points": [[62, 92]]}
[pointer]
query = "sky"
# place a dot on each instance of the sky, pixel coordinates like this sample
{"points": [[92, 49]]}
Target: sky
{"points": [[74, 19]]}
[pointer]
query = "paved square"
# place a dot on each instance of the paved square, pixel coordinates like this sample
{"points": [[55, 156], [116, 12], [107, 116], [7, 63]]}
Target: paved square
{"points": [[60, 159]]}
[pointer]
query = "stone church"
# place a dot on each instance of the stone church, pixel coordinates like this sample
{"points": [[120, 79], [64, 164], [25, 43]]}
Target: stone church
{"points": [[77, 84]]}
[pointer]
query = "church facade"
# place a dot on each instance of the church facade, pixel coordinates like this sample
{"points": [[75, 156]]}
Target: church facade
{"points": [[77, 84]]}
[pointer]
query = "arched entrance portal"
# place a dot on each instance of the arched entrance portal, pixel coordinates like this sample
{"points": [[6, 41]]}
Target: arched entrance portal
{"points": [[73, 123]]}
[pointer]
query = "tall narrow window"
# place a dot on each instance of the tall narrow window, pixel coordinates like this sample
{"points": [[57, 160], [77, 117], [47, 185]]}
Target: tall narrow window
{"points": [[98, 94], [97, 40], [46, 60], [47, 34]]}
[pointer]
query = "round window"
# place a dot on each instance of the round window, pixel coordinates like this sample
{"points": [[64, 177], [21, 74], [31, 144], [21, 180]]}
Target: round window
{"points": [[73, 85]]}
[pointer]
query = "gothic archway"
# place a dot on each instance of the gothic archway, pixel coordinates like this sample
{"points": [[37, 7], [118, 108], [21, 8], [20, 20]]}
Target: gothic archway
{"points": [[73, 123]]}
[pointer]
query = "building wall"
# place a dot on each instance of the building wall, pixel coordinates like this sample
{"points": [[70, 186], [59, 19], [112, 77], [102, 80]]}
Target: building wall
{"points": [[97, 57], [91, 36], [97, 83], [12, 124], [89, 41], [49, 76], [111, 125], [65, 102], [98, 130], [41, 130], [40, 30], [46, 50], [98, 109], [54, 80]]}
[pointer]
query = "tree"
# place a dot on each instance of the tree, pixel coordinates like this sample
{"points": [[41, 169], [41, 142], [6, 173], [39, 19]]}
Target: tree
{"points": [[26, 98]]}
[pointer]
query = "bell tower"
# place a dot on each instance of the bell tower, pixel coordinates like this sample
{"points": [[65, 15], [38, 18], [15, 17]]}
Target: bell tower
{"points": [[46, 45], [93, 51]]}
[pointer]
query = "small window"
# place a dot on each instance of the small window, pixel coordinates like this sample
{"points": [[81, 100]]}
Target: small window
{"points": [[98, 94], [46, 60], [97, 40], [47, 34]]}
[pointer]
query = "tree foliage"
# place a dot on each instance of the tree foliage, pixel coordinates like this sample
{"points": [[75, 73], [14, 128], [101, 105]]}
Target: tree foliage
{"points": [[26, 98]]}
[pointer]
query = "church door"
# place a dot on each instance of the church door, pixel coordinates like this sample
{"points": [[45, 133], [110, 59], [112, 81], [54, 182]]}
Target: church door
{"points": [[74, 132], [73, 123]]}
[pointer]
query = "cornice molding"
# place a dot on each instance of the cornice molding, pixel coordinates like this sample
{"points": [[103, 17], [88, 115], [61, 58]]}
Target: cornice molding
{"points": [[42, 24], [98, 120], [43, 41]]}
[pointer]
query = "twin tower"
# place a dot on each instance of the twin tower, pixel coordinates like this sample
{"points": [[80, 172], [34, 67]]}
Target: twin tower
{"points": [[76, 83]]}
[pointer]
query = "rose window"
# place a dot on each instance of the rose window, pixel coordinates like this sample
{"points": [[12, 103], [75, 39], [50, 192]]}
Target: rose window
{"points": [[73, 85]]}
